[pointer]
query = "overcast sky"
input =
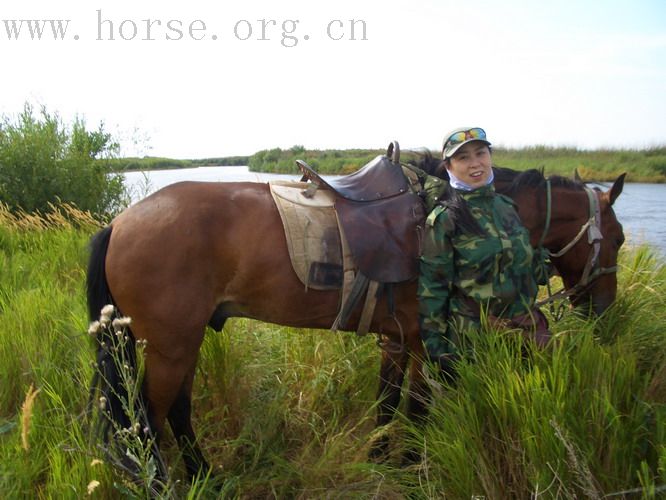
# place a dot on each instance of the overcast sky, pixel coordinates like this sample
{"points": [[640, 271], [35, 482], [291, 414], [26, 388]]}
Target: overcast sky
{"points": [[202, 82]]}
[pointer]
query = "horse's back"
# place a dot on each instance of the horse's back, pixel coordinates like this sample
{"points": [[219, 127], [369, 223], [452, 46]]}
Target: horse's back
{"points": [[179, 248], [188, 200], [189, 213]]}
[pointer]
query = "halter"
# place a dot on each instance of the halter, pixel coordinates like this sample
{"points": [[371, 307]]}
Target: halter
{"points": [[592, 227]]}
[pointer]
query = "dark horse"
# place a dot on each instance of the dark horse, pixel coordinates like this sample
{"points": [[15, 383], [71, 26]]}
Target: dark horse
{"points": [[194, 254]]}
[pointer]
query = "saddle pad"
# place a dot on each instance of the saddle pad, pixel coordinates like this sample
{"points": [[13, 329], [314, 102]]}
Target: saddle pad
{"points": [[311, 230]]}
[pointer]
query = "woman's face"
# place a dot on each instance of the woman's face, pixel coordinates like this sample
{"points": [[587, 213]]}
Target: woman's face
{"points": [[472, 164]]}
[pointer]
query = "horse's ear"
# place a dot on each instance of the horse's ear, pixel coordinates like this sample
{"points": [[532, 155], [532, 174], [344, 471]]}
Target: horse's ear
{"points": [[576, 176], [617, 188]]}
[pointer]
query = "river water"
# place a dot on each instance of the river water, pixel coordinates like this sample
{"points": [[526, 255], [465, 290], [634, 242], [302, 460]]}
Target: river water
{"points": [[641, 208]]}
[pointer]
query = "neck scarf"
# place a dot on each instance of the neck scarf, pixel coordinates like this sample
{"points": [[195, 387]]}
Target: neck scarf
{"points": [[463, 186]]}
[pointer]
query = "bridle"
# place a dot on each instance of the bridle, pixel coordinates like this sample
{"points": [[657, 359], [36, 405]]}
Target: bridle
{"points": [[592, 227]]}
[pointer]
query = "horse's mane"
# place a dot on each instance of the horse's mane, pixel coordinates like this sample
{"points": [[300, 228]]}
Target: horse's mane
{"points": [[533, 178], [507, 180], [429, 164]]}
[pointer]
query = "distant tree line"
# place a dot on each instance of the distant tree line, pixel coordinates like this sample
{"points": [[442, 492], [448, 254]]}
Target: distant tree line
{"points": [[327, 161], [642, 165], [158, 163]]}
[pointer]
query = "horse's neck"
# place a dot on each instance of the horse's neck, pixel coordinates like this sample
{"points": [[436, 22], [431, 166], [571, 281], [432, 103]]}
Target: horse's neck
{"points": [[567, 213], [532, 214]]}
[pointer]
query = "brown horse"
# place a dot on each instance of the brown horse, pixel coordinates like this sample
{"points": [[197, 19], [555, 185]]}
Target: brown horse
{"points": [[194, 254]]}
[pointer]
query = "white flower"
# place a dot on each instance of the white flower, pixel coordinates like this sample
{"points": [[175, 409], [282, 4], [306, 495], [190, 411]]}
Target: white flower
{"points": [[105, 315], [107, 310], [120, 323], [102, 403], [94, 328]]}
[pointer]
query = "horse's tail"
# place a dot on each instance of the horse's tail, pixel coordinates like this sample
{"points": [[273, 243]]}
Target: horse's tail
{"points": [[96, 286], [114, 353]]}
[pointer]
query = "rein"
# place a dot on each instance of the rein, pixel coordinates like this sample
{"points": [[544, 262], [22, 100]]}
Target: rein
{"points": [[592, 269]]}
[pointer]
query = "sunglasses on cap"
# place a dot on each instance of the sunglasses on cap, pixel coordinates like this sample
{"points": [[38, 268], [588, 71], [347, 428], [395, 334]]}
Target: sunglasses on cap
{"points": [[465, 135]]}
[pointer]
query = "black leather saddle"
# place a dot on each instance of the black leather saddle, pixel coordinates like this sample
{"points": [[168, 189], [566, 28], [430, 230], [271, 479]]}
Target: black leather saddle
{"points": [[380, 179], [381, 217]]}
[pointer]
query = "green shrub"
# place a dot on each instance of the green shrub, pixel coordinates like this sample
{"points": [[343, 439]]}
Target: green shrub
{"points": [[43, 161]]}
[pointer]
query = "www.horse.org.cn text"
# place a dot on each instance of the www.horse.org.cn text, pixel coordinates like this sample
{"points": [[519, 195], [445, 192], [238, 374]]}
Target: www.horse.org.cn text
{"points": [[288, 33]]}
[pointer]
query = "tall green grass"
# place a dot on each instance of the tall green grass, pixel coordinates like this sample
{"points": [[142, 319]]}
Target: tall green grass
{"points": [[289, 413], [584, 418]]}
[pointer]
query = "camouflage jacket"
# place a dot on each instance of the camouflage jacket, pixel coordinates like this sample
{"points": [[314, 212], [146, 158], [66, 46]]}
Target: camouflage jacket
{"points": [[460, 274]]}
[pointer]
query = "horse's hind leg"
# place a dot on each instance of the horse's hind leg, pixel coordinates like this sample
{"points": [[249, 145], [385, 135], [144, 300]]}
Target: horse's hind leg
{"points": [[168, 385], [181, 424], [391, 376]]}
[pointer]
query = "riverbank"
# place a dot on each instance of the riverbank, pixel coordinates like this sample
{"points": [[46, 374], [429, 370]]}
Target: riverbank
{"points": [[641, 165]]}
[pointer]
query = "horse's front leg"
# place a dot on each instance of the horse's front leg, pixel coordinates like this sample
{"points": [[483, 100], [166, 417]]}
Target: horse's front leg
{"points": [[391, 376], [419, 398], [419, 394]]}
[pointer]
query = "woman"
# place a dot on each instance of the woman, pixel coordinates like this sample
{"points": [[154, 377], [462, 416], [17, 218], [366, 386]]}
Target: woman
{"points": [[477, 258]]}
